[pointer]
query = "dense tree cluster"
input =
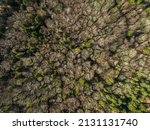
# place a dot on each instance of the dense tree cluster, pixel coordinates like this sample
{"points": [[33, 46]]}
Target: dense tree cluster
{"points": [[75, 56]]}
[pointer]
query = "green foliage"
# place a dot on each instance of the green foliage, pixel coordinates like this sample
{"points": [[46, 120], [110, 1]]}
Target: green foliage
{"points": [[119, 41], [139, 74], [29, 51], [21, 69], [132, 106], [23, 3], [36, 74], [132, 1], [130, 33], [77, 91], [5, 109], [109, 98], [146, 51], [87, 87], [102, 103], [140, 90], [81, 81], [37, 19], [135, 1], [17, 72], [139, 1], [87, 45], [142, 108], [148, 11], [109, 81], [34, 28], [126, 94]]}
